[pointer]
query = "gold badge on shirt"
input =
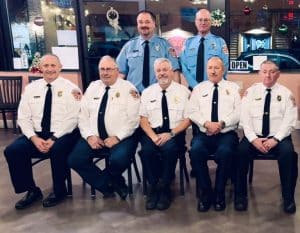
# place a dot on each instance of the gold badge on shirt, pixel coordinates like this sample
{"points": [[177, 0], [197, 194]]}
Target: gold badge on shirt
{"points": [[279, 98], [59, 93], [118, 94], [227, 92], [258, 98], [176, 99]]}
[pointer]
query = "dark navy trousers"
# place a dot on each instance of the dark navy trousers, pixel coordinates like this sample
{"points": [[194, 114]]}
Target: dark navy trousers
{"points": [[81, 160], [22, 150], [222, 146], [287, 160]]}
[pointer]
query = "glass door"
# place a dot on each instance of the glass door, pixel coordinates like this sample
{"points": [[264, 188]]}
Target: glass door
{"points": [[106, 27]]}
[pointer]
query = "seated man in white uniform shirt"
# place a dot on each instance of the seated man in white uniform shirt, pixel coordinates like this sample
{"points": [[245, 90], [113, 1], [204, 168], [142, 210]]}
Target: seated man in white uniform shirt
{"points": [[164, 124], [47, 116], [107, 121]]}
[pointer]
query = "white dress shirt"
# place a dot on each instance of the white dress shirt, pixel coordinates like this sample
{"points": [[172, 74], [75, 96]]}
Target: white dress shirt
{"points": [[177, 97], [283, 111], [229, 101], [121, 115], [64, 110]]}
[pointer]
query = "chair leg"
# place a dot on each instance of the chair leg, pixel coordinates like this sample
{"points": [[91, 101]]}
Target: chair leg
{"points": [[181, 171], [129, 173], [4, 119], [250, 171], [144, 182], [137, 173], [69, 183], [14, 122], [93, 192]]}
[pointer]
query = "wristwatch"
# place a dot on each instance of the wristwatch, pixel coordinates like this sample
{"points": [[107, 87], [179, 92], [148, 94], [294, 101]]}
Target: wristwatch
{"points": [[222, 124], [172, 134], [53, 138], [276, 139]]}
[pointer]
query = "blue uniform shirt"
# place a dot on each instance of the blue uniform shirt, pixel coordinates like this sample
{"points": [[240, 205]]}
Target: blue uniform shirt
{"points": [[130, 58], [213, 46]]}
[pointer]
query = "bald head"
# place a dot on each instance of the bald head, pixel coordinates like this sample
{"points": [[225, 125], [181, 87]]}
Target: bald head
{"points": [[203, 21]]}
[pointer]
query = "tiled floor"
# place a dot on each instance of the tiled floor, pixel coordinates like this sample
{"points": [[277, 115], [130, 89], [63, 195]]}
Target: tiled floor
{"points": [[82, 214]]}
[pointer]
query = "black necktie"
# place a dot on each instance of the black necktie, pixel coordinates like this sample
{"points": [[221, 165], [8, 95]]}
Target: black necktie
{"points": [[200, 61], [46, 120], [266, 115], [214, 108], [146, 65], [165, 113], [101, 124]]}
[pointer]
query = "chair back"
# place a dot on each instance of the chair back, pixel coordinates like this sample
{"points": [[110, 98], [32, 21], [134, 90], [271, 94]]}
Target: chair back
{"points": [[33, 78], [10, 92]]}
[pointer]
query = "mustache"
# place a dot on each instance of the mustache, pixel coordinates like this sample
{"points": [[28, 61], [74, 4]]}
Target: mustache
{"points": [[144, 28]]}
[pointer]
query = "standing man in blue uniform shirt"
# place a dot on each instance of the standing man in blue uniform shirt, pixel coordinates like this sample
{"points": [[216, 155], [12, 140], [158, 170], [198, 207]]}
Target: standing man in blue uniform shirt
{"points": [[193, 56], [132, 61]]}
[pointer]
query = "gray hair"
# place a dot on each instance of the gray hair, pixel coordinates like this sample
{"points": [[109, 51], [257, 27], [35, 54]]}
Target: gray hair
{"points": [[161, 60]]}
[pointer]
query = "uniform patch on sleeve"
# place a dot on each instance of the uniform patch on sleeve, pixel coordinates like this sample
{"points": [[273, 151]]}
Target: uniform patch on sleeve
{"points": [[293, 100], [172, 52], [225, 49], [76, 94], [134, 94]]}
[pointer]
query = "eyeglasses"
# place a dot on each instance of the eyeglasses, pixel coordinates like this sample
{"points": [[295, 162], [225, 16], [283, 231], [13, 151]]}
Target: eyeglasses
{"points": [[108, 70], [203, 20]]}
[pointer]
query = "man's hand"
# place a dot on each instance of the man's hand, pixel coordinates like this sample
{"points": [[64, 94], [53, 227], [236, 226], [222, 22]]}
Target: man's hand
{"points": [[163, 138], [111, 141], [258, 143], [212, 127], [95, 142], [270, 143], [40, 144]]}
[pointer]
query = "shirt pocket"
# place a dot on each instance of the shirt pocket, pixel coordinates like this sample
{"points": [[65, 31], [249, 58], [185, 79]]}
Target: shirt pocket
{"points": [[134, 58], [276, 110], [36, 105], [176, 111], [93, 105], [59, 108], [257, 109], [191, 58]]}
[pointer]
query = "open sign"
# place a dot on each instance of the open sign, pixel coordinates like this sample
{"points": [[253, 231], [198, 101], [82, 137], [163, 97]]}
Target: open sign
{"points": [[238, 65]]}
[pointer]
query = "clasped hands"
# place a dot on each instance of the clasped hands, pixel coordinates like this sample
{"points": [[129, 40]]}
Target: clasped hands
{"points": [[161, 138], [96, 142], [212, 128], [41, 144], [264, 145]]}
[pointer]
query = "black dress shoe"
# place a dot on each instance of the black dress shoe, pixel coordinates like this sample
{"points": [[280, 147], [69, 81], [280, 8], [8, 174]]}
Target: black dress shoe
{"points": [[152, 198], [241, 204], [289, 207], [53, 200], [219, 204], [28, 199], [164, 200], [203, 206], [108, 193], [121, 188]]}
